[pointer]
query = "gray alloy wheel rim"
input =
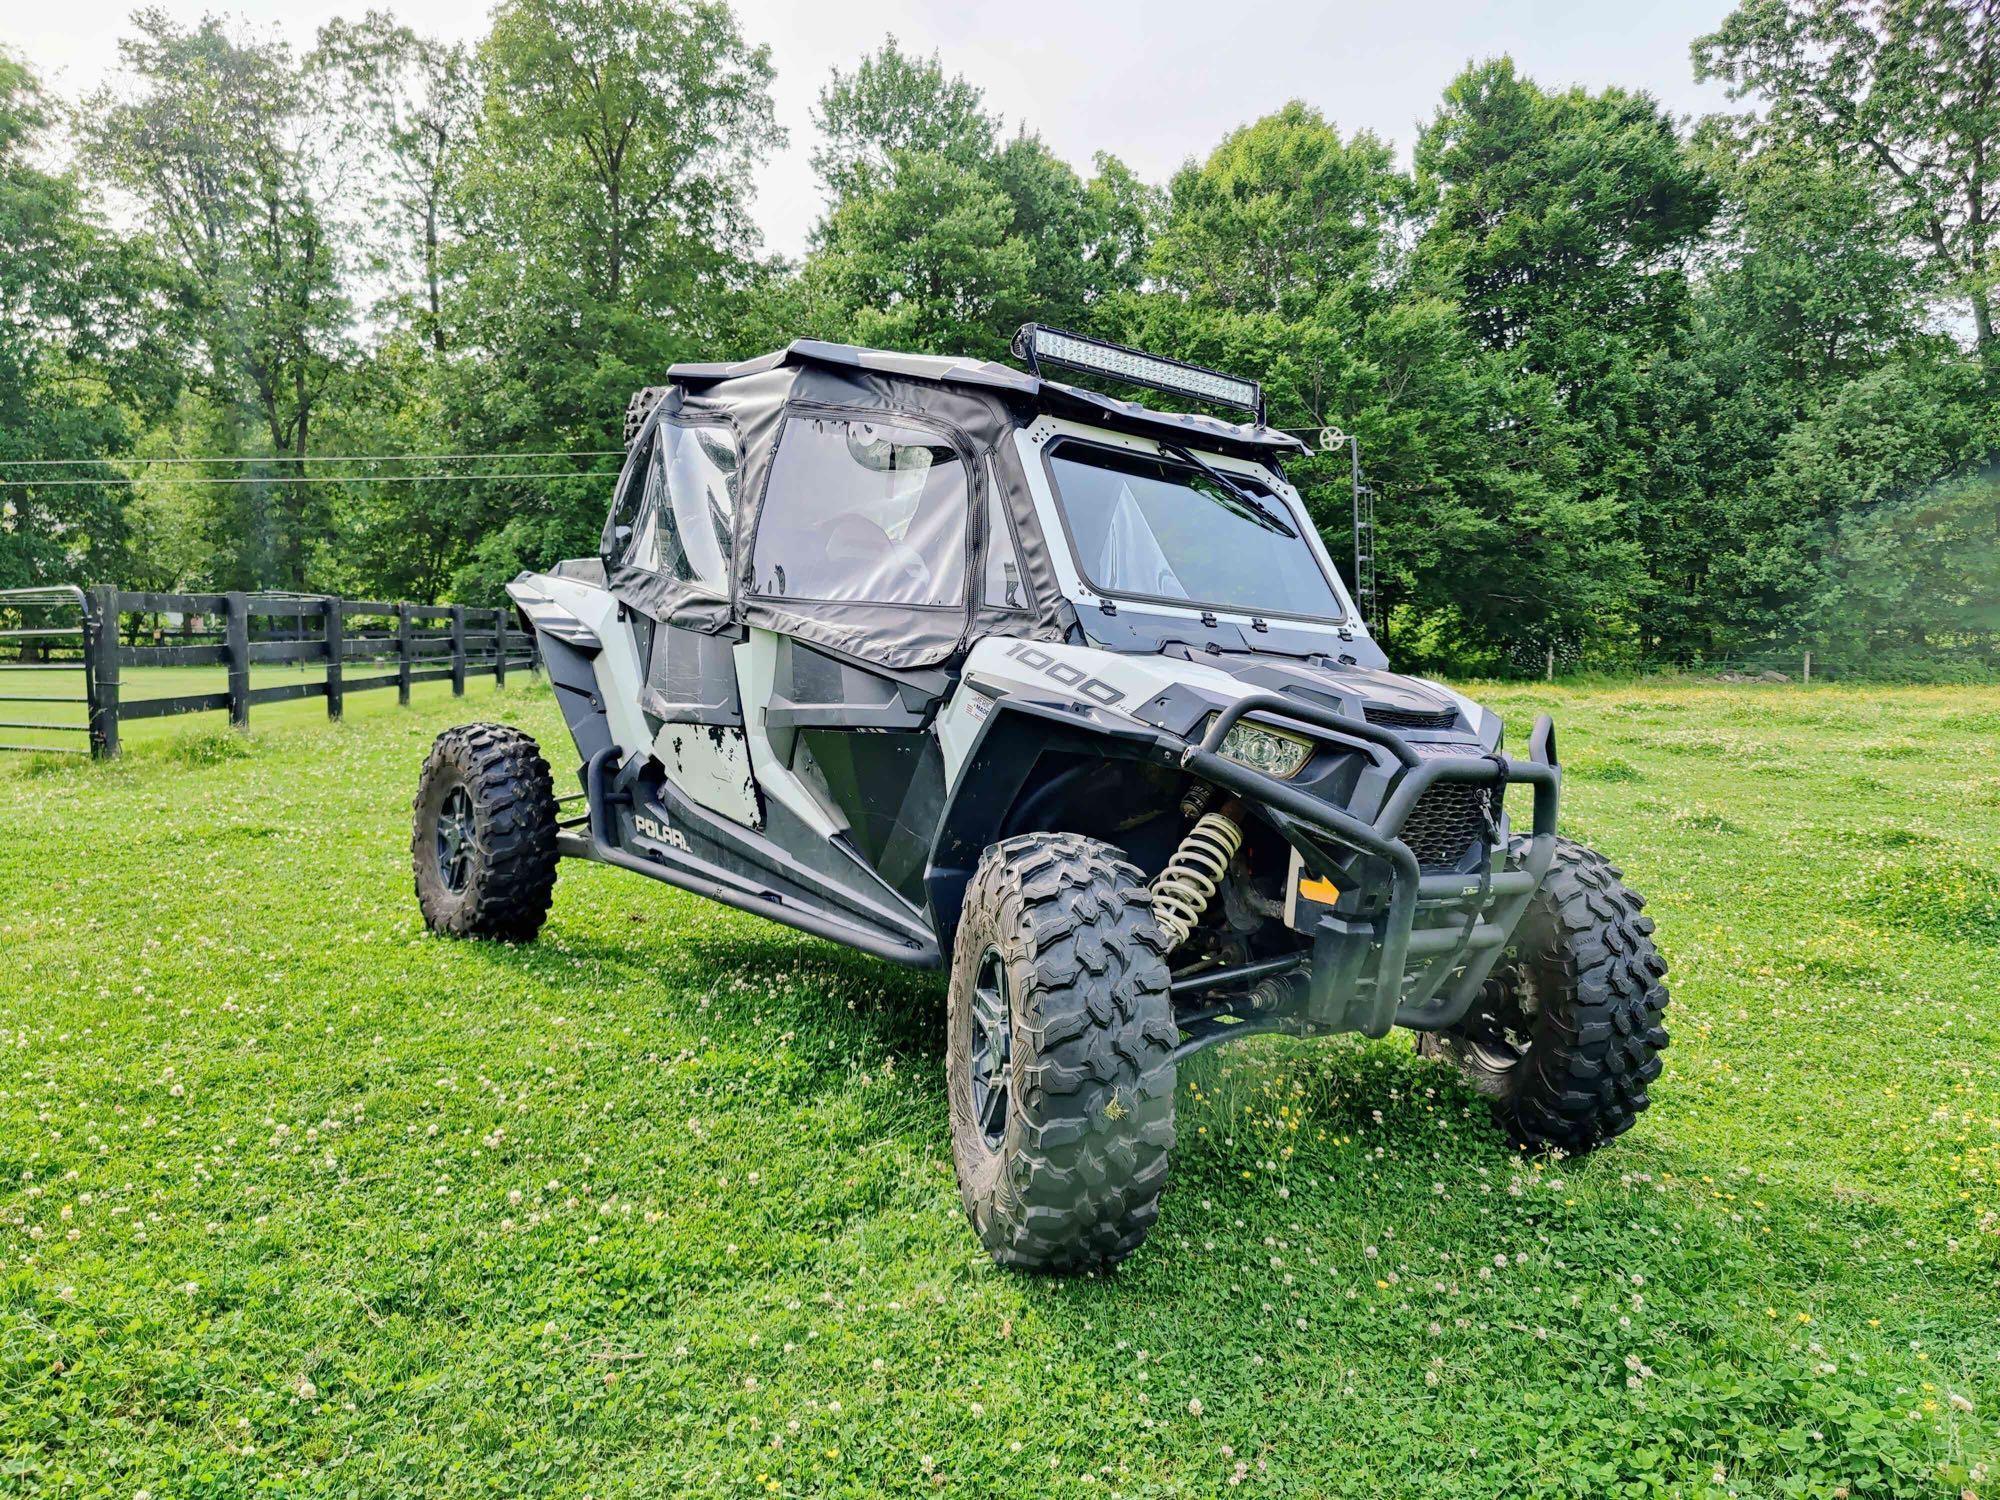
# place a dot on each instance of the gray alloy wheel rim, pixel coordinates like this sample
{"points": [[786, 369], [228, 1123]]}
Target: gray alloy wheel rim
{"points": [[1510, 1048], [992, 1048], [454, 839]]}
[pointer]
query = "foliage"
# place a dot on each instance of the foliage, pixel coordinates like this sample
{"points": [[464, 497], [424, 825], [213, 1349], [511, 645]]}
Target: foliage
{"points": [[940, 238], [1909, 90], [415, 103], [1625, 389], [891, 104], [78, 359], [234, 164], [1917, 577]]}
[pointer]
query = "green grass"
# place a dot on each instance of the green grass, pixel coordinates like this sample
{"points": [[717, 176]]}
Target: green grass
{"points": [[296, 1200]]}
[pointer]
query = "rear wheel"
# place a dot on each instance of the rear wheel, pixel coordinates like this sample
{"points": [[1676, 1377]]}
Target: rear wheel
{"points": [[1567, 1035], [484, 846], [1060, 1054]]}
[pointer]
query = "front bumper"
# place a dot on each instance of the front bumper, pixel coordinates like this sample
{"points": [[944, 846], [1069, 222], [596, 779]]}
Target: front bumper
{"points": [[1420, 962]]}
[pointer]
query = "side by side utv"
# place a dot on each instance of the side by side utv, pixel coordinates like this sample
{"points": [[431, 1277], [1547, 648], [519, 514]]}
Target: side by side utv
{"points": [[975, 669]]}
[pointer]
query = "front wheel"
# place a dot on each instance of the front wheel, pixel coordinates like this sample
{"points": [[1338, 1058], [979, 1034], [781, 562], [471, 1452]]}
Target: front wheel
{"points": [[1060, 1054], [1567, 1034], [484, 846]]}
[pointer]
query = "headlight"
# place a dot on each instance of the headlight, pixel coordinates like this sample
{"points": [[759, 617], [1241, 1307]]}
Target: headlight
{"points": [[1272, 751]]}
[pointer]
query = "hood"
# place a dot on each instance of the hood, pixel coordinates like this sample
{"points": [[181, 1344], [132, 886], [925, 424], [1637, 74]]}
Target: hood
{"points": [[1387, 698], [1414, 707], [1178, 688]]}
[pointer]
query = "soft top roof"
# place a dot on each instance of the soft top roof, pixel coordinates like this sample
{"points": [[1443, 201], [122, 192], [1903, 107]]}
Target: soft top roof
{"points": [[1052, 396]]}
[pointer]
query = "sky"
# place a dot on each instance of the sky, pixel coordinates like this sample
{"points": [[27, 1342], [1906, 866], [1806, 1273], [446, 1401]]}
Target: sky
{"points": [[1153, 83]]}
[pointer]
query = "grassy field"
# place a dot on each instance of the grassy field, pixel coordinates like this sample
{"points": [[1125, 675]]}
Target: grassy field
{"points": [[296, 1200]]}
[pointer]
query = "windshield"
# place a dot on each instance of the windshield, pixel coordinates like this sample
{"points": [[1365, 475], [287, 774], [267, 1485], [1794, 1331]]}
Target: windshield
{"points": [[1155, 527]]}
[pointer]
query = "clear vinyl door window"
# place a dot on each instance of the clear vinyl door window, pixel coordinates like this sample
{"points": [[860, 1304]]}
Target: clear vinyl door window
{"points": [[863, 511], [1005, 586], [687, 514]]}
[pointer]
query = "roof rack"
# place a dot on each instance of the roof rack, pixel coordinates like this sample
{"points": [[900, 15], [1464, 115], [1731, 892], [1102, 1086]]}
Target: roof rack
{"points": [[1037, 344]]}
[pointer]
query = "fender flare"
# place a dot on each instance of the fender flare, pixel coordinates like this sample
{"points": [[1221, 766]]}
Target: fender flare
{"points": [[1000, 768]]}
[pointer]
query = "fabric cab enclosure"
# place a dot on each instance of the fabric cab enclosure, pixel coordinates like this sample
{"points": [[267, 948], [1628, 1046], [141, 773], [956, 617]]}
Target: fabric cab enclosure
{"points": [[855, 509]]}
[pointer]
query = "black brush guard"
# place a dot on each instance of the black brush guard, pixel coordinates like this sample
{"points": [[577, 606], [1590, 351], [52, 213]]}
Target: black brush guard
{"points": [[1367, 973]]}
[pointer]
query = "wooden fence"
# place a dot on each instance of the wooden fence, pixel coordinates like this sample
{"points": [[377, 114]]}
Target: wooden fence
{"points": [[362, 645]]}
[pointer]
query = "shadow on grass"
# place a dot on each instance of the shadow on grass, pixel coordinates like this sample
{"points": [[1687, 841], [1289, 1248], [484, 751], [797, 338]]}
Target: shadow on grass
{"points": [[760, 974]]}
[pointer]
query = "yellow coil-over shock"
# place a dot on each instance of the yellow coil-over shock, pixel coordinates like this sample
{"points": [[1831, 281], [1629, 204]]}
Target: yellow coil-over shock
{"points": [[1181, 892]]}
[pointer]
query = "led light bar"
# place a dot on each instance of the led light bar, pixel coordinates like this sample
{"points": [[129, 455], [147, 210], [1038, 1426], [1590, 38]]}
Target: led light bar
{"points": [[1039, 345]]}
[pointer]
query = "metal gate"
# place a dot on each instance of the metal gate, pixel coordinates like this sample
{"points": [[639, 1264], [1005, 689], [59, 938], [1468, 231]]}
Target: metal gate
{"points": [[47, 700]]}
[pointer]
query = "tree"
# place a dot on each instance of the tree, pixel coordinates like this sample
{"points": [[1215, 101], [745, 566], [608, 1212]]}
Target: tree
{"points": [[220, 143], [618, 141], [927, 260], [1875, 446], [1282, 253], [416, 101], [1559, 217], [78, 358], [1910, 89], [940, 237], [1806, 262], [893, 103], [608, 235], [1282, 215], [1914, 583], [1804, 288], [1564, 225]]}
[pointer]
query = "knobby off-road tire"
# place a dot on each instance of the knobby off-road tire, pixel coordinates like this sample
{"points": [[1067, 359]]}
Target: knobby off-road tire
{"points": [[1062, 1148], [1568, 1033], [484, 848]]}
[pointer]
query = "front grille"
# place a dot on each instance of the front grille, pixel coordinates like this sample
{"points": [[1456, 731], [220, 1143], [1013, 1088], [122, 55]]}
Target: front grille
{"points": [[1411, 718], [1446, 822]]}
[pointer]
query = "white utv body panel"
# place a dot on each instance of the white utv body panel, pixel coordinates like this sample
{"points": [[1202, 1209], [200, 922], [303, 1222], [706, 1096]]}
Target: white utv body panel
{"points": [[620, 674], [1048, 670], [756, 665], [710, 764], [1052, 669]]}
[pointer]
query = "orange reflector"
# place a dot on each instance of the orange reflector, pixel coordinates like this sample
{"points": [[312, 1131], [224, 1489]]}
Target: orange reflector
{"points": [[1323, 891]]}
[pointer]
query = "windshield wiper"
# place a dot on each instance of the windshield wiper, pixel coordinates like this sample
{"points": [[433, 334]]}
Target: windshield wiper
{"points": [[1248, 505]]}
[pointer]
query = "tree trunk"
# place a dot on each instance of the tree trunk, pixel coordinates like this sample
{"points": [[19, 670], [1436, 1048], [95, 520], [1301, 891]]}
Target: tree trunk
{"points": [[431, 274], [616, 278]]}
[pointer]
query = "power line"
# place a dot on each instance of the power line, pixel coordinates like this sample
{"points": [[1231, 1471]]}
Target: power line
{"points": [[308, 458], [56, 484]]}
